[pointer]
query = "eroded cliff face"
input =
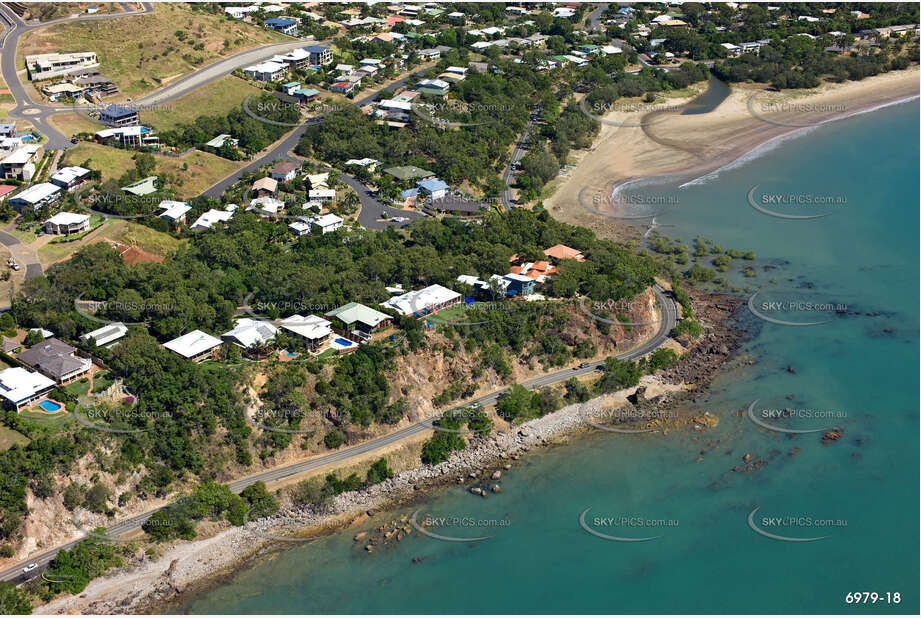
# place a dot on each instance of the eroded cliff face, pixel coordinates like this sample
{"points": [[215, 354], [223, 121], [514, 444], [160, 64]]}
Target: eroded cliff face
{"points": [[417, 376]]}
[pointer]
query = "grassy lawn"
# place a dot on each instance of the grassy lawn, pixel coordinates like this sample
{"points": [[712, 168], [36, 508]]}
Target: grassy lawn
{"points": [[57, 252], [9, 437], [142, 52], [73, 123], [144, 238], [451, 313], [78, 389], [25, 236], [101, 381], [196, 170], [215, 99], [45, 419]]}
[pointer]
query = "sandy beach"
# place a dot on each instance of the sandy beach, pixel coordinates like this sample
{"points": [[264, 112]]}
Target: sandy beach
{"points": [[634, 145]]}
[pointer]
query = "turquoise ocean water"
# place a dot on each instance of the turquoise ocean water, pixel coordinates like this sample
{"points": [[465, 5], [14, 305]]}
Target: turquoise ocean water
{"points": [[861, 365]]}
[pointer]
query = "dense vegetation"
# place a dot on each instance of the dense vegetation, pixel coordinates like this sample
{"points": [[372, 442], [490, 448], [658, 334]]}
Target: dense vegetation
{"points": [[205, 429]]}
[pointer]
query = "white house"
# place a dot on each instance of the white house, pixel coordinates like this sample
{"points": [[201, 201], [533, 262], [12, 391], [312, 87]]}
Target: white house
{"points": [[299, 228], [173, 211], [69, 177], [196, 346], [321, 195], [249, 332], [266, 71], [326, 223], [36, 196], [107, 334], [19, 387], [267, 205], [312, 330], [426, 300], [208, 219], [67, 223]]}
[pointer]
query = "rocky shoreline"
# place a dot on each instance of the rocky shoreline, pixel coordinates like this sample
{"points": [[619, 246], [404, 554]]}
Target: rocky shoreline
{"points": [[186, 567]]}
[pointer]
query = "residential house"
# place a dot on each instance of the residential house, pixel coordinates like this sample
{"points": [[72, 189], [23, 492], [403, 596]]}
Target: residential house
{"points": [[409, 172], [119, 116], [220, 140], [132, 136], [307, 95], [67, 223], [70, 177], [21, 162], [265, 187], [428, 54], [208, 219], [295, 59], [144, 186], [20, 387], [5, 190], [106, 335], [173, 211], [36, 196], [519, 285], [321, 195], [300, 228], [196, 346], [279, 24], [731, 49], [45, 66], [434, 87], [248, 333], [433, 188], [64, 90], [422, 302], [55, 359], [319, 55], [344, 87], [392, 109], [268, 71], [562, 252], [313, 330], [7, 129], [353, 317], [284, 171], [239, 12], [290, 88], [266, 205], [325, 223]]}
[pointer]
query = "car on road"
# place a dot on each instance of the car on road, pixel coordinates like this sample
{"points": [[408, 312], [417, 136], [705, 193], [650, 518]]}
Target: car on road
{"points": [[31, 567], [599, 367], [399, 219], [584, 365]]}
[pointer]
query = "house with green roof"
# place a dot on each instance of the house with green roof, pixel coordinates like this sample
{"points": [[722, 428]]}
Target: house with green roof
{"points": [[145, 186], [353, 317], [409, 172]]}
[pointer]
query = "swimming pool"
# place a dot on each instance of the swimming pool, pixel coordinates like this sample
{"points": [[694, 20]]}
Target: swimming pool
{"points": [[344, 342], [291, 354], [49, 406]]}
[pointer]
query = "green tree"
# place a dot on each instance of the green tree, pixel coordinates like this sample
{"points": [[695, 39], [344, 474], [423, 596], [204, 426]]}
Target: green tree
{"points": [[14, 600]]}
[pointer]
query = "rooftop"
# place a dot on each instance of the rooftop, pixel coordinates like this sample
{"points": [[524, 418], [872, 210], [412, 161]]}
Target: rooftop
{"points": [[192, 344], [356, 312]]}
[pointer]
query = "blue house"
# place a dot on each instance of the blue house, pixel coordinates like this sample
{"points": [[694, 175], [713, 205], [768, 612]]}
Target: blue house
{"points": [[285, 26], [519, 284]]}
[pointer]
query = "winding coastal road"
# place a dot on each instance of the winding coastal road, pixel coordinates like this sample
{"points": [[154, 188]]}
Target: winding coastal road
{"points": [[668, 319]]}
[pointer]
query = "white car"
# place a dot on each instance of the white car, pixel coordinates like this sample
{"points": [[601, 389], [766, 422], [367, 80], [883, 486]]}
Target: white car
{"points": [[32, 566]]}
